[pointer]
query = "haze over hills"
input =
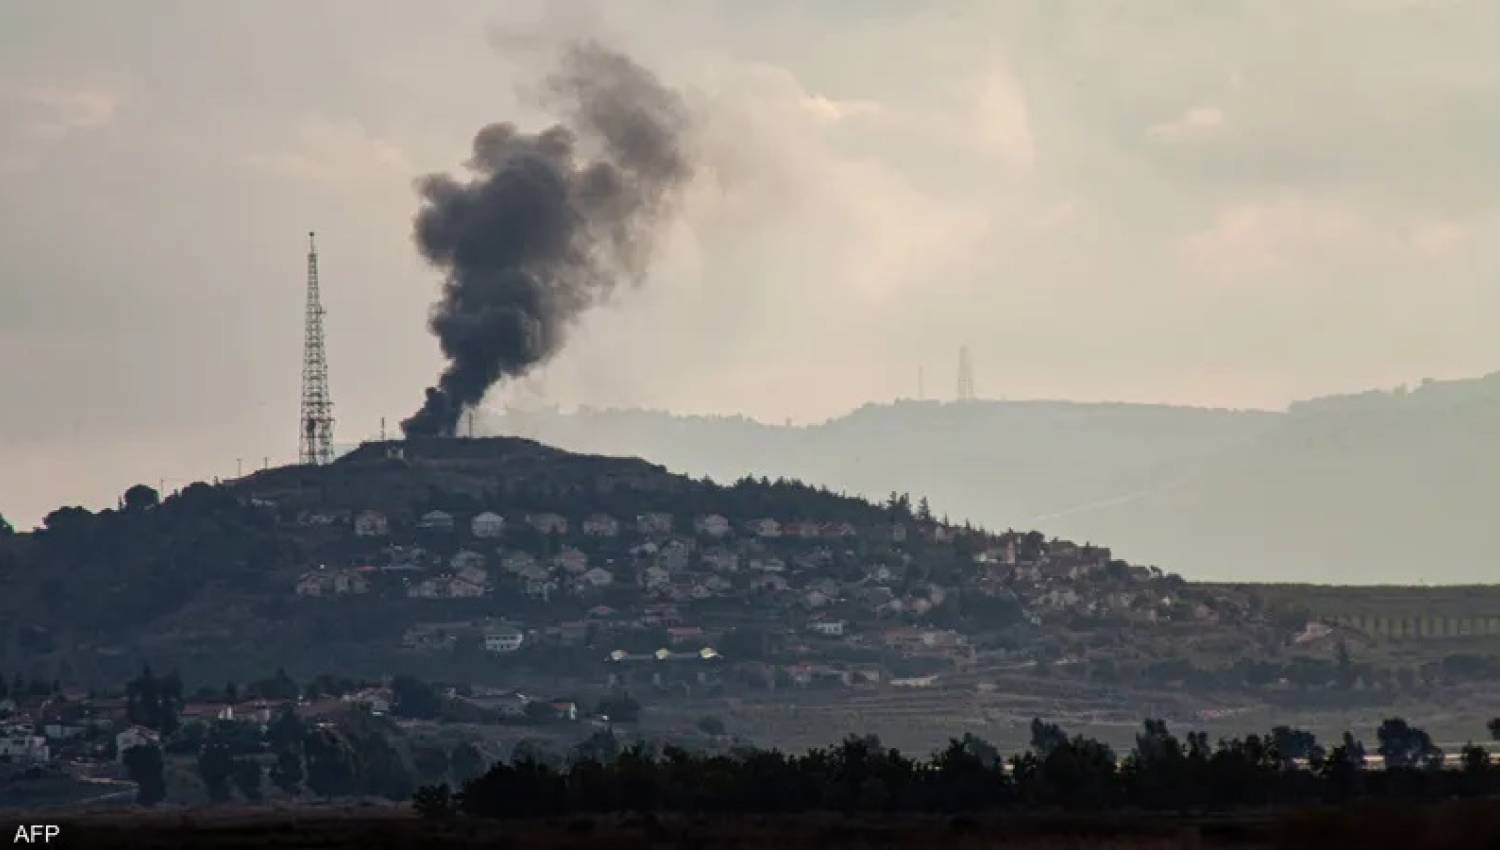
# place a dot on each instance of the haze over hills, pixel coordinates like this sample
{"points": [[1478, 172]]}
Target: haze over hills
{"points": [[1376, 487]]}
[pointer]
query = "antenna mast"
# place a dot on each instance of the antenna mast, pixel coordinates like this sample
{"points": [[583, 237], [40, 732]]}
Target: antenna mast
{"points": [[315, 430], [965, 375]]}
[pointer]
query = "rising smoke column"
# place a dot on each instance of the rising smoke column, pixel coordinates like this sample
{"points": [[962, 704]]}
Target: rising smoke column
{"points": [[541, 231]]}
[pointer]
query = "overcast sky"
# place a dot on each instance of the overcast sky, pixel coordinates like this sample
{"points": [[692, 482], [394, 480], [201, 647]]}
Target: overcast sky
{"points": [[1230, 204]]}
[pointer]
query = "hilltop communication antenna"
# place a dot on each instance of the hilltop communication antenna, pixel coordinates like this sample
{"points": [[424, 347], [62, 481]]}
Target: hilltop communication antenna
{"points": [[965, 375], [315, 429]]}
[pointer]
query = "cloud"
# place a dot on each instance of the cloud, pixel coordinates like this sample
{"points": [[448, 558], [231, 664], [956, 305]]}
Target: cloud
{"points": [[36, 116], [342, 154], [1256, 241], [1437, 238], [1196, 123]]}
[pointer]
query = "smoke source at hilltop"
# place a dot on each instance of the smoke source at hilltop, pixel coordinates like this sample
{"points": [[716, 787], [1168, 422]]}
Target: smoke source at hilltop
{"points": [[540, 231]]}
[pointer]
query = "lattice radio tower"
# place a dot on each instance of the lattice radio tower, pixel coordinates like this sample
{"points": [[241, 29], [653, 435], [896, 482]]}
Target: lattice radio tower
{"points": [[315, 430], [965, 375]]}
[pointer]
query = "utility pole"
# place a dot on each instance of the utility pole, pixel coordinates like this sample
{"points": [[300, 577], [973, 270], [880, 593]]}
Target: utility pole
{"points": [[315, 431]]}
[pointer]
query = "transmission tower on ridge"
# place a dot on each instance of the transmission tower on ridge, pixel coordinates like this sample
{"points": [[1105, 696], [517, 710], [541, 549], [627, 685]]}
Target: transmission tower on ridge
{"points": [[965, 375], [315, 430]]}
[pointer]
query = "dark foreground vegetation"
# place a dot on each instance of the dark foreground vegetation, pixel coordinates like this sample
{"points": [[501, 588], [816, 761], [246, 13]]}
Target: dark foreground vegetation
{"points": [[1285, 768], [1456, 824]]}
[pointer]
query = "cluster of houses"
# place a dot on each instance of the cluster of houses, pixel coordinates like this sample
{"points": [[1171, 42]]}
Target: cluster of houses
{"points": [[819, 579]]}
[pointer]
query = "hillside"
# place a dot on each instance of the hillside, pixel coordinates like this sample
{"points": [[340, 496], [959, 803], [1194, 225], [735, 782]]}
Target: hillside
{"points": [[1317, 493]]}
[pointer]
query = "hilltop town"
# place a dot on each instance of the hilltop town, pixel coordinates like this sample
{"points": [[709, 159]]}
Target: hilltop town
{"points": [[492, 592]]}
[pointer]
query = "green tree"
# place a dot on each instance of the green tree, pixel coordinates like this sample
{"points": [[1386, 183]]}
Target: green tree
{"points": [[286, 772], [246, 775], [1404, 745], [711, 726], [6, 529], [330, 763], [466, 762], [140, 498], [411, 697], [146, 770], [215, 766]]}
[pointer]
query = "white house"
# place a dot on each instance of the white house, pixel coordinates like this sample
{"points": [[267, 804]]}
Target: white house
{"points": [[436, 521], [654, 523], [135, 736], [474, 575], [313, 583], [21, 746], [466, 558], [504, 640], [764, 527], [601, 525], [597, 577], [572, 560], [371, 524], [487, 525], [517, 562], [827, 628], [711, 525], [721, 560], [461, 588], [548, 523]]}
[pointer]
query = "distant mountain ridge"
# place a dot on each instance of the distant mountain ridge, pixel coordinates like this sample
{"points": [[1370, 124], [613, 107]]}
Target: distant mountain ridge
{"points": [[1374, 487]]}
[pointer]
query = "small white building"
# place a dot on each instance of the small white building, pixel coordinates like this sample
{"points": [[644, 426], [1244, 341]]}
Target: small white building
{"points": [[711, 525], [827, 628], [765, 527], [466, 558], [19, 745], [655, 523], [572, 560], [721, 560], [597, 577], [371, 524], [474, 575], [436, 521], [135, 736], [548, 523], [487, 525], [504, 640], [601, 525]]}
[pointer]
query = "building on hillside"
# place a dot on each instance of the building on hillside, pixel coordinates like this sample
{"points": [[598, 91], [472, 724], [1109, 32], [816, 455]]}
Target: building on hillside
{"points": [[597, 578], [352, 582], [711, 525], [466, 558], [474, 575], [675, 555], [135, 736], [572, 560], [503, 640], [371, 524], [655, 577], [440, 521], [548, 523], [838, 529], [654, 524], [827, 628], [600, 525], [517, 562], [487, 525], [765, 527], [680, 635], [803, 528], [19, 745], [721, 560]]}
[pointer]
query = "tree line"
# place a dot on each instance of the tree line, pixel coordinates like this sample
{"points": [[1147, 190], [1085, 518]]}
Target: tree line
{"points": [[1162, 771]]}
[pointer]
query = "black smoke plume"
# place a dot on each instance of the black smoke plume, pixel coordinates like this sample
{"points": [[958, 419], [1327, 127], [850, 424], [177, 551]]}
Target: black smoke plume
{"points": [[547, 224]]}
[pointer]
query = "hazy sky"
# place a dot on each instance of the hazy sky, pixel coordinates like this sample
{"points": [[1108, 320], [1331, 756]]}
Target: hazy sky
{"points": [[1233, 204]]}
